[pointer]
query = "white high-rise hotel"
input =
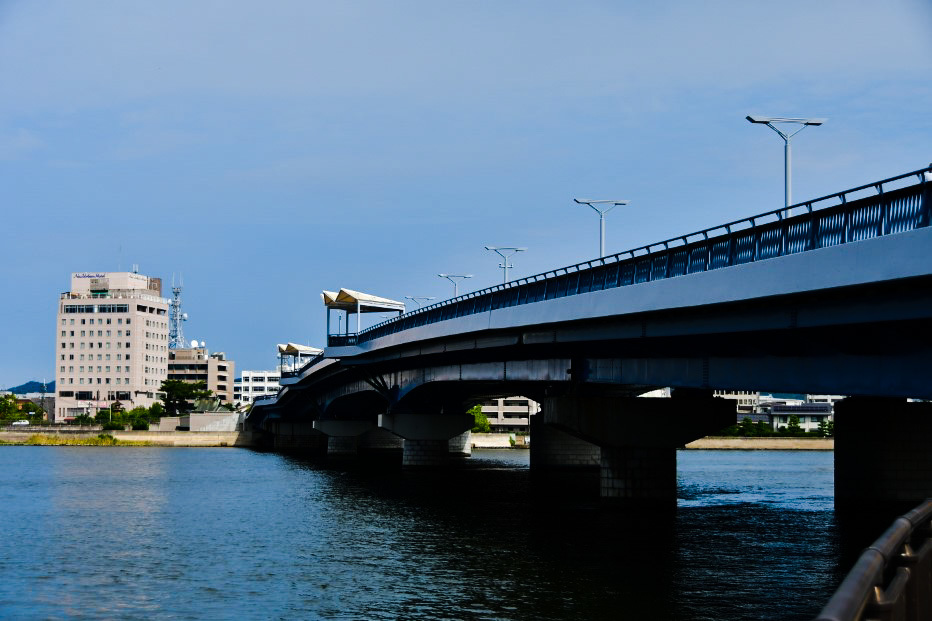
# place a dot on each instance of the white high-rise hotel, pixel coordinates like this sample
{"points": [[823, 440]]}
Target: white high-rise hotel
{"points": [[111, 343]]}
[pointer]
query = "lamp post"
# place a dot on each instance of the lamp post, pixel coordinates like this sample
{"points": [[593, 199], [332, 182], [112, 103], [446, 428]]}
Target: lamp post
{"points": [[787, 154], [605, 207], [500, 251], [452, 278], [417, 299]]}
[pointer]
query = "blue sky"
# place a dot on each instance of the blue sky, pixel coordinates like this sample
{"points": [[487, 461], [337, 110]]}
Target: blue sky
{"points": [[267, 151]]}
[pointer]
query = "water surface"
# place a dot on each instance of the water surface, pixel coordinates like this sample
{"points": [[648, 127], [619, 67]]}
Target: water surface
{"points": [[172, 533]]}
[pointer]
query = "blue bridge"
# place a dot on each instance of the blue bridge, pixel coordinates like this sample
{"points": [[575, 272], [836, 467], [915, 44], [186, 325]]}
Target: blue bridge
{"points": [[831, 296]]}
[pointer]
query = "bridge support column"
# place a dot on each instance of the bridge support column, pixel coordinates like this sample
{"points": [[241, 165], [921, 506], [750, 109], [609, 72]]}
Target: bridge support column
{"points": [[459, 446], [297, 437], [883, 453], [641, 474], [343, 436], [427, 437], [638, 438]]}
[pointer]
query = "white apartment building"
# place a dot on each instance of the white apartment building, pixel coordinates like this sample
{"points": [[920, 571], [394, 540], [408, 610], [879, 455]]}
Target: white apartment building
{"points": [[111, 343], [510, 414], [252, 384]]}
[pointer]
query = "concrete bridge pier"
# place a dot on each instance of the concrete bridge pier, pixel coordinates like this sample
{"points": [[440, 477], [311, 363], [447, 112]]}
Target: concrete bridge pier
{"points": [[427, 437], [636, 439], [343, 437], [296, 437], [883, 454]]}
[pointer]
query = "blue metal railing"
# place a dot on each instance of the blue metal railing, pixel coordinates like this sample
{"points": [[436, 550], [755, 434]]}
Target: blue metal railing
{"points": [[764, 236], [306, 365]]}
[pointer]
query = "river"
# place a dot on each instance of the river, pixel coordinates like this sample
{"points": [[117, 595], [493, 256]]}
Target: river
{"points": [[172, 533]]}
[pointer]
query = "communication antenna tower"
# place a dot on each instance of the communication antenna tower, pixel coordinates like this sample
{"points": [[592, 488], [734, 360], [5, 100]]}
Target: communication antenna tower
{"points": [[176, 318]]}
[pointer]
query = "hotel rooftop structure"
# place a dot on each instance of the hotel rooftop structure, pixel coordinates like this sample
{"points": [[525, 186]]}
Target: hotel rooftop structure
{"points": [[111, 343]]}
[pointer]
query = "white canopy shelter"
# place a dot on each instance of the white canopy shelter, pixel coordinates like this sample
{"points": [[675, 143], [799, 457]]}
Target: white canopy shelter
{"points": [[355, 302]]}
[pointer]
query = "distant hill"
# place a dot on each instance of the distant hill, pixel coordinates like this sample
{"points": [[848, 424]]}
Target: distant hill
{"points": [[32, 387]]}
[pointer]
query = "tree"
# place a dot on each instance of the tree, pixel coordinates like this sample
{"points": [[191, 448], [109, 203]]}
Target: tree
{"points": [[480, 419], [156, 411], [179, 396], [83, 419], [747, 427], [823, 428], [793, 427], [830, 429]]}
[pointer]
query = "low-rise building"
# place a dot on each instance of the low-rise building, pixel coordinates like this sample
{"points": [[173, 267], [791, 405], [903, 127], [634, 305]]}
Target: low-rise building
{"points": [[196, 364], [252, 384]]}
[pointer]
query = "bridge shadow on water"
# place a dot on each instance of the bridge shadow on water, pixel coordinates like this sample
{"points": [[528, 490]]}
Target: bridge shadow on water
{"points": [[481, 541]]}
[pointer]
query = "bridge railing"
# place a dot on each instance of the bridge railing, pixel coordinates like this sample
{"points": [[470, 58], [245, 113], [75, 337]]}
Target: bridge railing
{"points": [[306, 365], [892, 580], [831, 220]]}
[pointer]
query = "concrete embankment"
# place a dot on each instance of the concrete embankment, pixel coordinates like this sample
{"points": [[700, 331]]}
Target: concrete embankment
{"points": [[752, 444], [497, 441], [153, 438]]}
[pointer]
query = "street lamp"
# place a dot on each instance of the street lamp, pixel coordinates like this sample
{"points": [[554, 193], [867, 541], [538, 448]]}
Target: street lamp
{"points": [[451, 278], [787, 172], [417, 299], [500, 251], [609, 205]]}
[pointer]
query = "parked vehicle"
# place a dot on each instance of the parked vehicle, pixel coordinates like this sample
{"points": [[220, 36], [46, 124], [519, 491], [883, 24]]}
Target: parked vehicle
{"points": [[20, 422]]}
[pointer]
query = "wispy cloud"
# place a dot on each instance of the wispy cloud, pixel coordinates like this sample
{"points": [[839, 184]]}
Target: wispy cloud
{"points": [[18, 143]]}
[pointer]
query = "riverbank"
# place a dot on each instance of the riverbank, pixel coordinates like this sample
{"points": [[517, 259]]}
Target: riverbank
{"points": [[67, 437], [128, 438], [759, 444]]}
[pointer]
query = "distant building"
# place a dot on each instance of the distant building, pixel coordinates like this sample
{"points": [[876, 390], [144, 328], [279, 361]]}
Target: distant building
{"points": [[111, 343], [810, 414], [196, 364], [748, 400], [511, 414], [252, 384]]}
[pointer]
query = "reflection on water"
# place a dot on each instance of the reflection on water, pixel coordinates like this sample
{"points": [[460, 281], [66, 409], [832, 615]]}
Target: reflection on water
{"points": [[153, 533]]}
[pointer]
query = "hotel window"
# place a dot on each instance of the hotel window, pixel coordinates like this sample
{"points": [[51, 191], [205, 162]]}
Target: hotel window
{"points": [[108, 344], [108, 331], [62, 369], [62, 322], [70, 356], [98, 380], [120, 321], [72, 322], [71, 380], [82, 332], [70, 345], [127, 333], [63, 333], [108, 321], [118, 380], [127, 345], [62, 345], [127, 357], [126, 380], [81, 380], [71, 369], [63, 356], [127, 320], [82, 322], [100, 333], [107, 381]]}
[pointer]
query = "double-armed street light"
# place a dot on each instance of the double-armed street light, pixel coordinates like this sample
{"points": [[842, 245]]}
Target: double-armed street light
{"points": [[505, 253], [604, 206], [787, 171], [452, 278], [418, 299]]}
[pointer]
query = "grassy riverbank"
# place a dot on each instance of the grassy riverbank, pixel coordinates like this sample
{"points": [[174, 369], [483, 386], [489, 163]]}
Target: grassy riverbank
{"points": [[39, 439]]}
